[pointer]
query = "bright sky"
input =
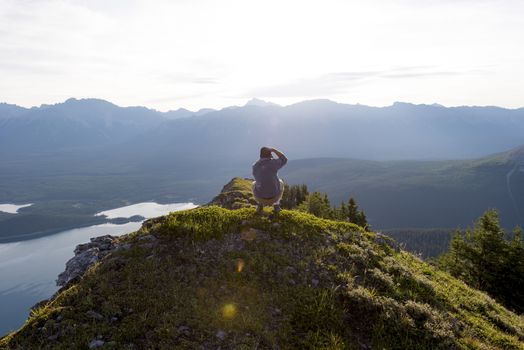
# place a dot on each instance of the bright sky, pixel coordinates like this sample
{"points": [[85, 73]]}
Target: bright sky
{"points": [[195, 54]]}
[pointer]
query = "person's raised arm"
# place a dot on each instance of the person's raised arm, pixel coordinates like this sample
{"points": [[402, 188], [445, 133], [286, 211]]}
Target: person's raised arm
{"points": [[280, 155]]}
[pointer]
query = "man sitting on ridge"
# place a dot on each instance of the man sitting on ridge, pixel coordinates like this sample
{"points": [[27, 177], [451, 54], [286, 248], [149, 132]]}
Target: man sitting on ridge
{"points": [[268, 188]]}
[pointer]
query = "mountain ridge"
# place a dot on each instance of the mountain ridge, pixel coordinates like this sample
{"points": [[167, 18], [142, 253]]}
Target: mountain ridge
{"points": [[255, 100], [400, 131]]}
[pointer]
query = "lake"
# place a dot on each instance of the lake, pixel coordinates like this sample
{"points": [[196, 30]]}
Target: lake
{"points": [[145, 209], [28, 269], [13, 208]]}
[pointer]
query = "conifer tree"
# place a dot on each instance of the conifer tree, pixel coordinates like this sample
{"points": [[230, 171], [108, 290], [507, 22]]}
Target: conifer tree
{"points": [[317, 204], [515, 271], [355, 215], [342, 212], [352, 211], [362, 220], [293, 196], [484, 259], [302, 193]]}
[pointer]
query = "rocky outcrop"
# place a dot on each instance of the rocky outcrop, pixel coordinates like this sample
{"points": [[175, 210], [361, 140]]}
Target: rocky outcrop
{"points": [[86, 255], [234, 195]]}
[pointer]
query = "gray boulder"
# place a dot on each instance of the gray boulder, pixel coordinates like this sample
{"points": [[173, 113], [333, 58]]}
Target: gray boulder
{"points": [[86, 255]]}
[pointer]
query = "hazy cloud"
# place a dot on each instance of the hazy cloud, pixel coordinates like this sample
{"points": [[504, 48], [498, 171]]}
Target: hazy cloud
{"points": [[206, 80], [339, 82], [185, 78]]}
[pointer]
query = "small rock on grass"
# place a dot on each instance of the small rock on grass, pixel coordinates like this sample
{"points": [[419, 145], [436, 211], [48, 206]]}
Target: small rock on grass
{"points": [[96, 343], [94, 315], [184, 330], [221, 334]]}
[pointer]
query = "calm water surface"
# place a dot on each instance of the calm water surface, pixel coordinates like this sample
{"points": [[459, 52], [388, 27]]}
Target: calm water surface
{"points": [[13, 208]]}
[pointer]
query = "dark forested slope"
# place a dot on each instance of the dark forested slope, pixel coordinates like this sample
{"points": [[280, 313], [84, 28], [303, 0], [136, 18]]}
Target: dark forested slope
{"points": [[428, 194]]}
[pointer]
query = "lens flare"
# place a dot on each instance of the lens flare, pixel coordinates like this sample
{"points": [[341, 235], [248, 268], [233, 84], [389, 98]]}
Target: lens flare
{"points": [[240, 265], [229, 311]]}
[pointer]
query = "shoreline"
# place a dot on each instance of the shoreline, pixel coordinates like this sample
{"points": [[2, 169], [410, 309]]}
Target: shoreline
{"points": [[81, 222], [45, 233]]}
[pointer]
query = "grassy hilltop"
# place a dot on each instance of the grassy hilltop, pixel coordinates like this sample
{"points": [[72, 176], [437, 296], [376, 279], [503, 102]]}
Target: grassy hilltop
{"points": [[213, 278]]}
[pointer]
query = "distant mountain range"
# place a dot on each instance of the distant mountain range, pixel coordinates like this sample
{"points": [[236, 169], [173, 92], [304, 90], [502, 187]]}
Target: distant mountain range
{"points": [[76, 124], [317, 128]]}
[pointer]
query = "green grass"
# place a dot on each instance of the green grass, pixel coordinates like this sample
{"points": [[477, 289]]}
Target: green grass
{"points": [[236, 194], [292, 281]]}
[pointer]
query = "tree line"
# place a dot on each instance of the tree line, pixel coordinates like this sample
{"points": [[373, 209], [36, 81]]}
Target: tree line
{"points": [[427, 243], [298, 197]]}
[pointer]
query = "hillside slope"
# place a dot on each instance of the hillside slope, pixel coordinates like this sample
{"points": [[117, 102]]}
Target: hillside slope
{"points": [[217, 278], [400, 194]]}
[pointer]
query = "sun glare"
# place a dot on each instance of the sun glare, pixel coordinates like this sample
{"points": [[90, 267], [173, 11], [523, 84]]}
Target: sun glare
{"points": [[240, 265], [229, 311]]}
